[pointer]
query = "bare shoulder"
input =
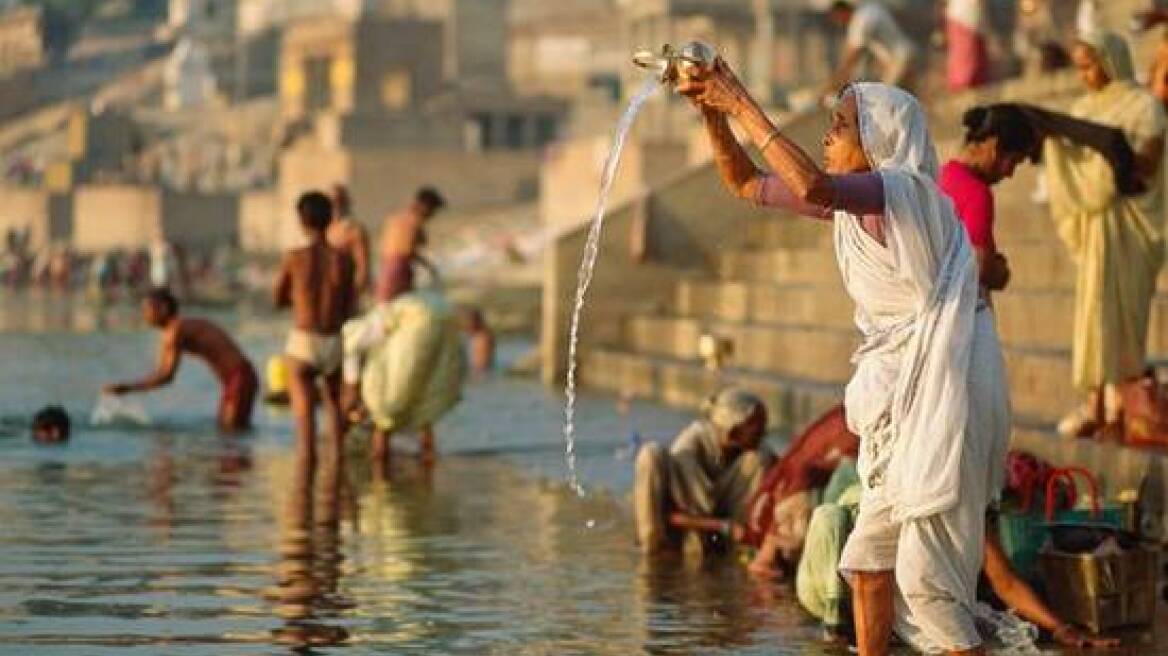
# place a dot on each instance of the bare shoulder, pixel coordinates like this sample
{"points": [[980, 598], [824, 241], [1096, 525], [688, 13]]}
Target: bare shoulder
{"points": [[340, 257], [297, 258], [195, 326]]}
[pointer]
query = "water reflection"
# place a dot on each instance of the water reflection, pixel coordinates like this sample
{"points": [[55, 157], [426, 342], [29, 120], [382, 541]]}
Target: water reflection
{"points": [[172, 540], [306, 594]]}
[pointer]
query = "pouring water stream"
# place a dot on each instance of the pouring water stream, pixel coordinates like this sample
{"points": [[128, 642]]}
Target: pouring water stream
{"points": [[588, 266]]}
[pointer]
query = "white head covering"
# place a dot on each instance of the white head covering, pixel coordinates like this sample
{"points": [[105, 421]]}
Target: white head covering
{"points": [[1113, 53], [893, 129], [730, 408]]}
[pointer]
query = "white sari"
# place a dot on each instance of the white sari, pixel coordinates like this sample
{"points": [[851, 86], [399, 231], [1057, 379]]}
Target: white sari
{"points": [[928, 397]]}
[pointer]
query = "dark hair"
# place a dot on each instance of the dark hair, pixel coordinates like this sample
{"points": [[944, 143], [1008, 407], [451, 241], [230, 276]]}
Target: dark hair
{"points": [[162, 296], [430, 197], [52, 416], [342, 202], [1008, 124], [841, 5], [315, 210]]}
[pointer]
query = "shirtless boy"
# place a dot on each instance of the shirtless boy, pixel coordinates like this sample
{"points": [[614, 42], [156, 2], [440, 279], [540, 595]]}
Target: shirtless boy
{"points": [[202, 339], [346, 234], [402, 237], [316, 281]]}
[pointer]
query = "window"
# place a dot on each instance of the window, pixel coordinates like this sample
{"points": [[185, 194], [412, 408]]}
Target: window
{"points": [[396, 90], [487, 139], [545, 129], [514, 129], [317, 85]]}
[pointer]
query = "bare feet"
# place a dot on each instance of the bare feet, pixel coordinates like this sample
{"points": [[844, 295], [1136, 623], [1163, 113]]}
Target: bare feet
{"points": [[426, 453], [763, 570]]}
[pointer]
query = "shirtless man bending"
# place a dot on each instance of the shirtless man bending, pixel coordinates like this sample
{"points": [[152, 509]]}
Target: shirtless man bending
{"points": [[402, 237], [346, 233], [203, 339], [316, 282]]}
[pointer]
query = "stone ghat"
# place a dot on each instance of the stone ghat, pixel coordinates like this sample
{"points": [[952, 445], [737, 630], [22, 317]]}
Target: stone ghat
{"points": [[704, 263]]}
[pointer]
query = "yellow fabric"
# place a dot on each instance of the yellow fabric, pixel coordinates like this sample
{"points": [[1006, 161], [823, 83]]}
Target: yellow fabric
{"points": [[1116, 241], [277, 375]]}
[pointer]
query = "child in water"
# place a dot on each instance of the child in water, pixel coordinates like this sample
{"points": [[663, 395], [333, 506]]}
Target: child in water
{"points": [[480, 341], [51, 425], [316, 282]]}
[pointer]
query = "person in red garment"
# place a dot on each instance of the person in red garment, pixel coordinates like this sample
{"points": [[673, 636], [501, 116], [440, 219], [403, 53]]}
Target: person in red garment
{"points": [[205, 340], [997, 139]]}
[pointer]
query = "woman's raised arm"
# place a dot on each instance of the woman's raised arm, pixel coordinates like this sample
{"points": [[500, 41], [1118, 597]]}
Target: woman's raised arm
{"points": [[719, 89]]}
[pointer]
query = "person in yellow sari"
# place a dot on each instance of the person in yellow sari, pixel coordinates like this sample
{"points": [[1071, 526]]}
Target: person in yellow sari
{"points": [[1115, 240]]}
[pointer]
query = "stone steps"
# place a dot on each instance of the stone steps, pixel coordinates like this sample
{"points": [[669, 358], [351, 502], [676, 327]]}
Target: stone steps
{"points": [[685, 383], [1033, 266], [793, 403], [1028, 318], [1040, 379], [814, 353], [766, 303], [1040, 386], [786, 232]]}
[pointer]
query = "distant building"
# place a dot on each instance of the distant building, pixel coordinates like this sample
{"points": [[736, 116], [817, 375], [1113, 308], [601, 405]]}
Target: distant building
{"points": [[203, 18], [256, 16], [22, 45], [435, 108], [567, 48], [188, 78]]}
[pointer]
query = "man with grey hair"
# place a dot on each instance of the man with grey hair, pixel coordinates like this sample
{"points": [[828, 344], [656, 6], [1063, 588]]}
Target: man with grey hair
{"points": [[705, 478]]}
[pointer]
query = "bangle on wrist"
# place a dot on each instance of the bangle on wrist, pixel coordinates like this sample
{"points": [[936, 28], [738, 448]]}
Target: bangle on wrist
{"points": [[774, 134]]}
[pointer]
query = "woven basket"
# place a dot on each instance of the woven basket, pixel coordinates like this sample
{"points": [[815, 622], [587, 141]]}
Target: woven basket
{"points": [[1102, 592]]}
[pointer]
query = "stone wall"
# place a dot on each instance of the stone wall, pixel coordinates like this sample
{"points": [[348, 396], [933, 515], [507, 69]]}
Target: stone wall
{"points": [[110, 216], [259, 221], [384, 180], [571, 172], [26, 209], [648, 244], [200, 220], [303, 167], [416, 54], [115, 216]]}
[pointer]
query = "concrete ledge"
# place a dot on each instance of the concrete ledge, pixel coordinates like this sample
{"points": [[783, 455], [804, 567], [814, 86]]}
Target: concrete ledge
{"points": [[807, 352], [791, 403]]}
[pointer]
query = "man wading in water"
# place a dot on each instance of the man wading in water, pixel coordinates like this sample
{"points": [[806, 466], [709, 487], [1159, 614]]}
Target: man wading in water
{"points": [[928, 397], [207, 341]]}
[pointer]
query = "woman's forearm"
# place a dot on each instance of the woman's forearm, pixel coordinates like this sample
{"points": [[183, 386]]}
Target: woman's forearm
{"points": [[735, 167], [1148, 160], [802, 175], [695, 523]]}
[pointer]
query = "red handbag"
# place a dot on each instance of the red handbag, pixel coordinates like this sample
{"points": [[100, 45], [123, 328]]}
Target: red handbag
{"points": [[1145, 411]]}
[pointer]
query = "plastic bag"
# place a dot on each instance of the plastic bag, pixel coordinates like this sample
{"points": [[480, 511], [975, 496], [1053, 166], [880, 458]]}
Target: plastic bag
{"points": [[1009, 635], [111, 409], [415, 375]]}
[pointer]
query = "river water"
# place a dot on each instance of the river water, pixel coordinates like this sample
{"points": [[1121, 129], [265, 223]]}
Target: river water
{"points": [[174, 540]]}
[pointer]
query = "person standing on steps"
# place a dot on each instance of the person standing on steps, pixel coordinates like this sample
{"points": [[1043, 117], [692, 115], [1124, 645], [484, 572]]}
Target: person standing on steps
{"points": [[997, 139], [1115, 239]]}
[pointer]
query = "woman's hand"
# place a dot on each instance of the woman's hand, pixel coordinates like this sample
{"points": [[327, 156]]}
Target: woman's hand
{"points": [[999, 272], [1068, 636], [1149, 18], [717, 89]]}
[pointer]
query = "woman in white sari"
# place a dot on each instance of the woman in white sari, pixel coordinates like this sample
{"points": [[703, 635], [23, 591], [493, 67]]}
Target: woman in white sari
{"points": [[1115, 240], [928, 397]]}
